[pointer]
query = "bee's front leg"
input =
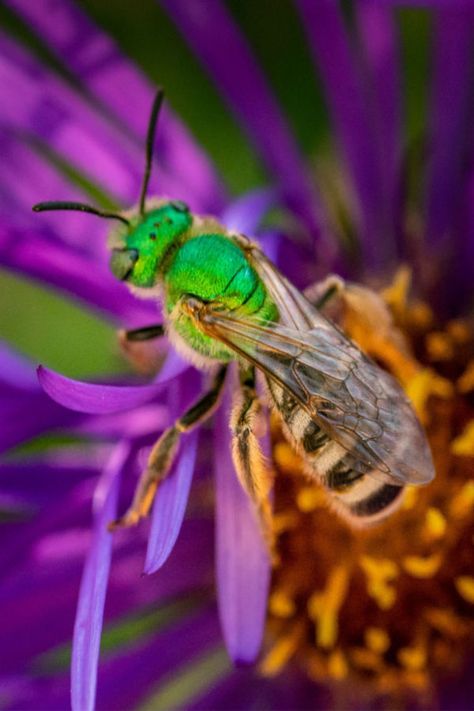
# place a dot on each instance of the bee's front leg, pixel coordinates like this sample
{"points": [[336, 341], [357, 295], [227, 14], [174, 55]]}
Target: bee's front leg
{"points": [[163, 453], [252, 470], [146, 333], [137, 349]]}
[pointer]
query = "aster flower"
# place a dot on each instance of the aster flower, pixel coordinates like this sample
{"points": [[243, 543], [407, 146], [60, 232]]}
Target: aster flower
{"points": [[51, 261], [343, 611]]}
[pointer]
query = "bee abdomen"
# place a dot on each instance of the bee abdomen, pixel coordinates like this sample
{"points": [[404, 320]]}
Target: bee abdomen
{"points": [[359, 494], [303, 430], [379, 503], [341, 476], [313, 438], [361, 497]]}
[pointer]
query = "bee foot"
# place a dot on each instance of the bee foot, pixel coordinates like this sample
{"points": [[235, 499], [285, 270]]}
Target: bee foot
{"points": [[131, 518]]}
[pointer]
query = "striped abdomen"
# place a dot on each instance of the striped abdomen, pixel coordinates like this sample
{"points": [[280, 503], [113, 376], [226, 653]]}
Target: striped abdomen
{"points": [[361, 496]]}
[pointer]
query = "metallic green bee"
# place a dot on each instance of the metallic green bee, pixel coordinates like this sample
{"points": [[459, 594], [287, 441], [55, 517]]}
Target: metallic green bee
{"points": [[225, 301]]}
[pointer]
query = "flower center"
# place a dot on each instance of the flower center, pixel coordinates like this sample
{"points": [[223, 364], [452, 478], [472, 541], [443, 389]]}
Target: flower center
{"points": [[389, 608]]}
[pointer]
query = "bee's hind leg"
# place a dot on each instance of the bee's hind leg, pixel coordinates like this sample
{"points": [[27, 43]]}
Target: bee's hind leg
{"points": [[254, 474], [163, 453], [323, 292], [366, 318]]}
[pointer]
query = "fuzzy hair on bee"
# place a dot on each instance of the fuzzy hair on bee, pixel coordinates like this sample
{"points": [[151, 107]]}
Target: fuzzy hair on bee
{"points": [[225, 303]]}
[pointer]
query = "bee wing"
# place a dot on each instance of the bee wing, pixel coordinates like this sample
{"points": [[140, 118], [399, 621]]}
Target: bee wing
{"points": [[353, 400]]}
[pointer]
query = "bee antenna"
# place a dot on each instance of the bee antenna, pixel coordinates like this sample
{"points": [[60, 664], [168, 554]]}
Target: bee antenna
{"points": [[150, 140], [80, 207]]}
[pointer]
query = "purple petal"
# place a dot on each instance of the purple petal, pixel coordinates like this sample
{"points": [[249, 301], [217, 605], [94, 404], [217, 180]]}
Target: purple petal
{"points": [[39, 178], [43, 481], [94, 399], [211, 31], [25, 414], [170, 505], [450, 119], [102, 67], [33, 254], [30, 692], [41, 590], [291, 690], [174, 648], [54, 113], [15, 370], [431, 4], [243, 567], [88, 625], [35, 102], [173, 366], [145, 420], [347, 99], [379, 43], [458, 271], [269, 242], [245, 214]]}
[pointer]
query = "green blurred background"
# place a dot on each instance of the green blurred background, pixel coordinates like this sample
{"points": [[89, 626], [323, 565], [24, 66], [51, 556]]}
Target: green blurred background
{"points": [[50, 328]]}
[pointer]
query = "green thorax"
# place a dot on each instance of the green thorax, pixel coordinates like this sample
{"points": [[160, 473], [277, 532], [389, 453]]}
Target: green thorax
{"points": [[213, 268]]}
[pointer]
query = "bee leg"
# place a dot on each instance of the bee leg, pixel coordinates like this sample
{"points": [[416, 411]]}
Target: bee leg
{"points": [[163, 453], [144, 334], [365, 317], [361, 308], [323, 292], [135, 346], [256, 478]]}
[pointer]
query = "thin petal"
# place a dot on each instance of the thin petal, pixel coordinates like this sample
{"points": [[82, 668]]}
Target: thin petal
{"points": [[245, 214], [36, 102], [173, 366], [41, 482], [211, 31], [76, 130], [458, 275], [90, 611], [243, 567], [449, 117], [25, 414], [38, 179], [269, 242], [105, 71], [380, 46], [170, 506], [127, 680], [94, 399], [346, 95], [42, 590], [15, 370], [430, 4], [29, 252]]}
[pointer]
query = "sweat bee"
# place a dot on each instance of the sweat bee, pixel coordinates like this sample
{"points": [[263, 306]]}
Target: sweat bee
{"points": [[224, 301]]}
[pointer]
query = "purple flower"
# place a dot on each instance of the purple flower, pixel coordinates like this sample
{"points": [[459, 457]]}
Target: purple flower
{"points": [[366, 222]]}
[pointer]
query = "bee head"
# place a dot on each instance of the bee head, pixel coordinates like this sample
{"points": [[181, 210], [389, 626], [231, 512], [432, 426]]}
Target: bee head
{"points": [[138, 252], [144, 237]]}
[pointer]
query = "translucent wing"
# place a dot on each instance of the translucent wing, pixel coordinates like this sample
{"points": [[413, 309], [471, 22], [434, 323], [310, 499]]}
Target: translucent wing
{"points": [[353, 400]]}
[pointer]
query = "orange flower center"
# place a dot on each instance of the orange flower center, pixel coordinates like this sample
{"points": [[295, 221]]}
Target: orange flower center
{"points": [[387, 610]]}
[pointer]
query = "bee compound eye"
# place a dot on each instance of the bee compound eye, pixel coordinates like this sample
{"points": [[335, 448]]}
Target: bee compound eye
{"points": [[122, 262]]}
